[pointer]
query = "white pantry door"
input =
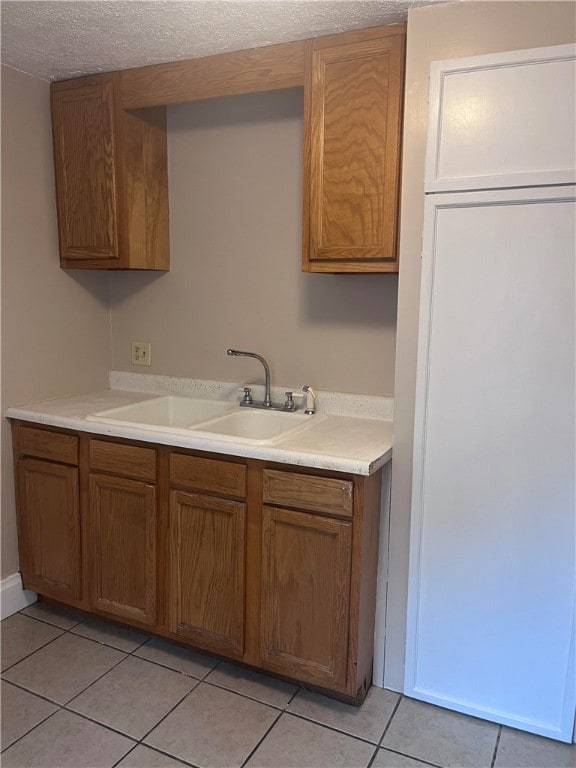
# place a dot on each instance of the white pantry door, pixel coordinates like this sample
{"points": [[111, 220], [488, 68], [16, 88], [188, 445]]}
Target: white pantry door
{"points": [[492, 561]]}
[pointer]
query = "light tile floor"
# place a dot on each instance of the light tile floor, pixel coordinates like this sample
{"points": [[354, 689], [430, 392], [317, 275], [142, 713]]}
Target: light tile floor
{"points": [[78, 692]]}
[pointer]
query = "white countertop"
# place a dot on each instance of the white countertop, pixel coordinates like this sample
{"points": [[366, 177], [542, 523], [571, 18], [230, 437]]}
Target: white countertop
{"points": [[339, 443]]}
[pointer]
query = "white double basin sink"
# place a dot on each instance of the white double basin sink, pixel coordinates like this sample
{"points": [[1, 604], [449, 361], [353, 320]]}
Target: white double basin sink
{"points": [[210, 419]]}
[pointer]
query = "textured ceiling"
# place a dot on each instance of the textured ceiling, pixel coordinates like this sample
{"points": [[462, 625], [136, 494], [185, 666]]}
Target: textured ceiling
{"points": [[59, 39]]}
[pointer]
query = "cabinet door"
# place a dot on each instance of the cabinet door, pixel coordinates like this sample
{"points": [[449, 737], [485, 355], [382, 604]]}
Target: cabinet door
{"points": [[83, 127], [49, 519], [305, 595], [352, 156], [208, 570], [123, 536]]}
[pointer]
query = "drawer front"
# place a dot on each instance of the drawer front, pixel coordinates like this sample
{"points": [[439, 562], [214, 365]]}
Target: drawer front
{"points": [[209, 475], [125, 460], [48, 445], [326, 495]]}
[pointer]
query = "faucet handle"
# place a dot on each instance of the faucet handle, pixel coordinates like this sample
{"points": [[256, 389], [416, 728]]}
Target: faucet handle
{"points": [[247, 399], [289, 402]]}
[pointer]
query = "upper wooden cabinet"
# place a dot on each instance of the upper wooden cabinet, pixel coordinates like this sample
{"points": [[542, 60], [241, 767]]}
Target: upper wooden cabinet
{"points": [[111, 178], [352, 133], [111, 156]]}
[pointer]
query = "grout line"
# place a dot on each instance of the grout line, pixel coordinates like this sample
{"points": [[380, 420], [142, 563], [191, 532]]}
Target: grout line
{"points": [[5, 749], [124, 756], [51, 623], [373, 758], [280, 708], [180, 701], [98, 722], [257, 745], [333, 728], [30, 654], [496, 747], [387, 726]]}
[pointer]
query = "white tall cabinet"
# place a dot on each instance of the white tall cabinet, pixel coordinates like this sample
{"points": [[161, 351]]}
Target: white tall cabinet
{"points": [[493, 534]]}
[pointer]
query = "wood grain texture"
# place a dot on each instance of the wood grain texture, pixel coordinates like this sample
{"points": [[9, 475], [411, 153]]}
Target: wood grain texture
{"points": [[116, 207], [123, 540], [352, 154], [143, 149], [85, 165], [305, 596], [253, 562], [208, 565], [364, 574], [211, 475], [329, 496], [227, 74], [50, 545], [45, 444], [125, 460]]}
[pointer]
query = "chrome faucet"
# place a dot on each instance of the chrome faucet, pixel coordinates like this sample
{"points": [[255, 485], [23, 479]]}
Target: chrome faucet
{"points": [[267, 396]]}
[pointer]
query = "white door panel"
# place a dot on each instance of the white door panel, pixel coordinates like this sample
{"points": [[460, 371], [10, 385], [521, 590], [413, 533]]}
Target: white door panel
{"points": [[503, 120], [492, 563]]}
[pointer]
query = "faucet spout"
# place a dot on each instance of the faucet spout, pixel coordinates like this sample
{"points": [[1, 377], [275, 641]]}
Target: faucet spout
{"points": [[267, 396]]}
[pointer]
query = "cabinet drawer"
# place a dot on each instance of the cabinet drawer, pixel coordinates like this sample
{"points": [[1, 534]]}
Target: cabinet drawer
{"points": [[210, 475], [126, 460], [48, 445], [325, 495]]}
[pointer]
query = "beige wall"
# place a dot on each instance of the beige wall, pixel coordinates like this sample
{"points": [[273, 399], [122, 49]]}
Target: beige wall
{"points": [[235, 170], [55, 324], [440, 32]]}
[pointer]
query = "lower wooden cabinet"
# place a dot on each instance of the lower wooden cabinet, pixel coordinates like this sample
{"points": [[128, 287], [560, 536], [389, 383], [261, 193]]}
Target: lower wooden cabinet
{"points": [[263, 563], [123, 534], [49, 528], [305, 595], [207, 564]]}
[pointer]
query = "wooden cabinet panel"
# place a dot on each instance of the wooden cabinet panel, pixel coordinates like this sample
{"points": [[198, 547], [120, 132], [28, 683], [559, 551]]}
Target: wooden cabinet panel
{"points": [[305, 596], [125, 460], [111, 178], [123, 536], [210, 475], [44, 444], [49, 522], [325, 495], [83, 128], [352, 153], [208, 570]]}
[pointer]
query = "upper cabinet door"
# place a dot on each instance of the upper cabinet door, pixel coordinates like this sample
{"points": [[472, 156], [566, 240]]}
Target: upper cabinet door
{"points": [[83, 125], [503, 120], [352, 118]]}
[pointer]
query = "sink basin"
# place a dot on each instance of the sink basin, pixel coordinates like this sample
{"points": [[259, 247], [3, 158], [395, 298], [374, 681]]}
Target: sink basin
{"points": [[161, 413], [255, 426]]}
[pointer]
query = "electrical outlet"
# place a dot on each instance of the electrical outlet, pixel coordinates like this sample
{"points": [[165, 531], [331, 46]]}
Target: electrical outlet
{"points": [[141, 351]]}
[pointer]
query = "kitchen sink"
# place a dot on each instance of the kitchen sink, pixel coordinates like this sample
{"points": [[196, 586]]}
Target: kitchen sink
{"points": [[162, 413], [258, 427]]}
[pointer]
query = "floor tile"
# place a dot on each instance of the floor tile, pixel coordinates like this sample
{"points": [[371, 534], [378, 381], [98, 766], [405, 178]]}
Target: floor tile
{"points": [[22, 635], [59, 615], [297, 743], [440, 736], [133, 697], [253, 684], [387, 759], [367, 722], [517, 748], [213, 727], [144, 757], [177, 657], [64, 668], [21, 711], [66, 740], [111, 634]]}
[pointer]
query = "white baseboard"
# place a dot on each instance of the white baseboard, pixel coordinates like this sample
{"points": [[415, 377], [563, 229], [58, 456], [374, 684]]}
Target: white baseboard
{"points": [[13, 596]]}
